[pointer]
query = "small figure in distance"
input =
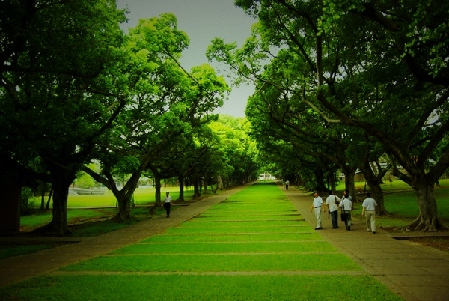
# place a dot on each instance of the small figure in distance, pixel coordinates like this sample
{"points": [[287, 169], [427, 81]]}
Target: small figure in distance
{"points": [[346, 207], [317, 204], [286, 184], [332, 201], [369, 211], [167, 203]]}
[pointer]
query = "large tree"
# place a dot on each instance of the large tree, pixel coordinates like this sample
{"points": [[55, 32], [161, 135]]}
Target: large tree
{"points": [[59, 88], [378, 66], [166, 102]]}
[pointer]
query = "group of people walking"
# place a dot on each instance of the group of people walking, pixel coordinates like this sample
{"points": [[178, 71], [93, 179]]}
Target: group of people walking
{"points": [[333, 202]]}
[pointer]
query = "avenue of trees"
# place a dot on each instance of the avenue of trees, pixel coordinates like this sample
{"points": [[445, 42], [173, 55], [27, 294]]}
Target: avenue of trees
{"points": [[348, 84], [341, 85], [75, 89]]}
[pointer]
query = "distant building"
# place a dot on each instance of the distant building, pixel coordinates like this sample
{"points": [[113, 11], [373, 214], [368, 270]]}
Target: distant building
{"points": [[266, 177]]}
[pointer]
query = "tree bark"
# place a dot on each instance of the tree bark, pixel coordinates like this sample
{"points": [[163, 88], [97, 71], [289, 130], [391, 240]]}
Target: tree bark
{"points": [[427, 219], [124, 195], [42, 192], [181, 188], [62, 178], [374, 179], [377, 194], [124, 205], [10, 200], [349, 181], [196, 188], [157, 181], [319, 178], [50, 195], [205, 185]]}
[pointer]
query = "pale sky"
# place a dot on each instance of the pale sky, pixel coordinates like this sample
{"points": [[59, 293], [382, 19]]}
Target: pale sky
{"points": [[202, 20]]}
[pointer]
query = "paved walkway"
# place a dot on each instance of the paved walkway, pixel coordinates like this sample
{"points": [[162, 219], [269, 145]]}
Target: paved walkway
{"points": [[412, 271]]}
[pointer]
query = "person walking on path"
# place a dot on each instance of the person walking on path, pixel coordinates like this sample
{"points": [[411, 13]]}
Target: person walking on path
{"points": [[167, 203], [317, 204], [346, 207], [286, 184], [369, 211], [331, 201]]}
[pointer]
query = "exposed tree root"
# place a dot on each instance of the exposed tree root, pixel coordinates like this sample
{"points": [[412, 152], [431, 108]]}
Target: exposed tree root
{"points": [[423, 225]]}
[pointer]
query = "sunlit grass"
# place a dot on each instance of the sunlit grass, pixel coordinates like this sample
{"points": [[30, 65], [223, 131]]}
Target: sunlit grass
{"points": [[261, 237], [142, 196], [218, 263], [40, 218], [229, 247], [200, 288], [242, 230], [273, 257], [201, 223]]}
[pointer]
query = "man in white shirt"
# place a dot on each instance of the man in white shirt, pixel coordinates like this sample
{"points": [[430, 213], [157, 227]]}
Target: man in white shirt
{"points": [[167, 203], [346, 207], [317, 204], [331, 202], [369, 210]]}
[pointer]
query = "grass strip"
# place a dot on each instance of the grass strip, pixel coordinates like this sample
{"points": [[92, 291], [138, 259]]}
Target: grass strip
{"points": [[215, 263], [296, 236], [197, 223], [261, 217], [198, 288], [248, 230], [229, 247]]}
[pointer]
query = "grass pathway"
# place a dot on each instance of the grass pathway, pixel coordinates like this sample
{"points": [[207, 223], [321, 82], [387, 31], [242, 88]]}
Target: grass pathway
{"points": [[253, 246]]}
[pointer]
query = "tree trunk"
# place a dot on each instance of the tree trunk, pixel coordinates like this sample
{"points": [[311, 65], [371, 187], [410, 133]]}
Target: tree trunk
{"points": [[375, 189], [427, 219], [62, 179], [377, 194], [50, 195], [125, 195], [205, 185], [196, 187], [42, 207], [10, 200], [181, 188], [319, 178], [157, 180], [124, 205], [349, 181]]}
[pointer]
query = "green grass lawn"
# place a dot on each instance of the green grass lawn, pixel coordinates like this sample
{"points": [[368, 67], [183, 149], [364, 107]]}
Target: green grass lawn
{"points": [[255, 262], [40, 218], [237, 238], [201, 288], [236, 250], [228, 247], [142, 196], [402, 205]]}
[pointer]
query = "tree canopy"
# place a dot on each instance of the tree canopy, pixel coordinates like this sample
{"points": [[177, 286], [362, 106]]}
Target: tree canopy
{"points": [[376, 66]]}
